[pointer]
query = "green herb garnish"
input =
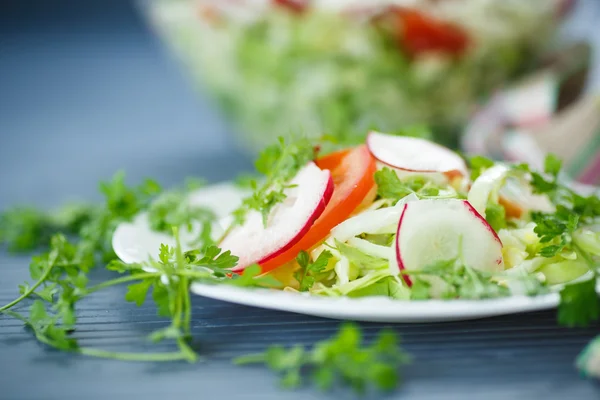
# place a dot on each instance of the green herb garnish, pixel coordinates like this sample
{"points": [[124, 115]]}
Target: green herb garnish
{"points": [[279, 163], [62, 282], [339, 359], [579, 304], [308, 270]]}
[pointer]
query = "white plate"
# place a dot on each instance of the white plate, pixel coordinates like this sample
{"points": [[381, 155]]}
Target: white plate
{"points": [[376, 309], [136, 242]]}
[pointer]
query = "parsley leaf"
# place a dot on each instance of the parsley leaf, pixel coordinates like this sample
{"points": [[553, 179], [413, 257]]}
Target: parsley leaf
{"points": [[456, 281], [279, 163], [572, 210], [24, 229], [478, 164], [579, 304], [578, 301], [552, 165], [308, 271], [251, 277], [495, 215], [342, 358], [62, 282]]}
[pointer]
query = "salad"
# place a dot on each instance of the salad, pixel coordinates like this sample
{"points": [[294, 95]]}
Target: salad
{"points": [[343, 67], [405, 218], [396, 216]]}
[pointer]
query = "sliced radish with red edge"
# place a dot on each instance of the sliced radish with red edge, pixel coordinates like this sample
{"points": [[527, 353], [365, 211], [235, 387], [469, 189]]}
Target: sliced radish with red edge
{"points": [[433, 230], [414, 154], [307, 198]]}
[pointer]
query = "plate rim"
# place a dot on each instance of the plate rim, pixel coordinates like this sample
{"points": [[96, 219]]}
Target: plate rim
{"points": [[376, 308]]}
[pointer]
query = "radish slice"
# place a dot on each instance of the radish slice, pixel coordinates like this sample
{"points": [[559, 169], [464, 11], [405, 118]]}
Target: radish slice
{"points": [[486, 185], [414, 154], [432, 230], [288, 222]]}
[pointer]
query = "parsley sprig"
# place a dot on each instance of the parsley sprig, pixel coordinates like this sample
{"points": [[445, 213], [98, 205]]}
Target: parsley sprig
{"points": [[63, 282], [342, 358], [459, 281], [25, 228], [579, 305], [306, 275], [278, 164]]}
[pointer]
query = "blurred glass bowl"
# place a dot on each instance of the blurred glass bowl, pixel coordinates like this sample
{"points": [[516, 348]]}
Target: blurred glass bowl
{"points": [[279, 67]]}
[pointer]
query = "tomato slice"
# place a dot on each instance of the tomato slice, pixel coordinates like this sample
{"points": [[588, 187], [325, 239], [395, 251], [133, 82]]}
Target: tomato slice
{"points": [[421, 34], [352, 171]]}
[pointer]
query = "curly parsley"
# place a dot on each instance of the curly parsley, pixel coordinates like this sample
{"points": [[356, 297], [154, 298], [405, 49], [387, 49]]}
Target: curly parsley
{"points": [[342, 358], [579, 305]]}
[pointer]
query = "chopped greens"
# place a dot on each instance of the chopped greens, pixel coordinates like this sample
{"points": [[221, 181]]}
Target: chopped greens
{"points": [[557, 232], [389, 185], [342, 358], [308, 271], [478, 164], [495, 215], [579, 304], [455, 280]]}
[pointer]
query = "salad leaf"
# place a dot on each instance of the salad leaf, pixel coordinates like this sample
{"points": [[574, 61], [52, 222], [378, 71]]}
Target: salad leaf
{"points": [[389, 185], [457, 281], [379, 239], [495, 215], [279, 163], [358, 258], [478, 164], [579, 304], [251, 277], [388, 287], [555, 229], [572, 210], [24, 229], [341, 358], [308, 271]]}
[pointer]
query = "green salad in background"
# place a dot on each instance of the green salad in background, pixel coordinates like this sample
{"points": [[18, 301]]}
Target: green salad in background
{"points": [[286, 66]]}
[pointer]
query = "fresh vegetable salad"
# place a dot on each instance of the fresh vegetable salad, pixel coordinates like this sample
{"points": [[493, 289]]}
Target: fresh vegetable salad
{"points": [[406, 218], [394, 216], [343, 67]]}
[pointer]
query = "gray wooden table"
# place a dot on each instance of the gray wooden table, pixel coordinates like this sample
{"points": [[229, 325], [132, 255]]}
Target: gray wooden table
{"points": [[85, 90]]}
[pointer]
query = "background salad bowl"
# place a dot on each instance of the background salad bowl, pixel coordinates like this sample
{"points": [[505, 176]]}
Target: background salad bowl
{"points": [[283, 66]]}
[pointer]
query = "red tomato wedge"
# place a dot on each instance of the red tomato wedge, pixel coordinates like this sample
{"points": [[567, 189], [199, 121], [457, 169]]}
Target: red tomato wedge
{"points": [[421, 34], [352, 172]]}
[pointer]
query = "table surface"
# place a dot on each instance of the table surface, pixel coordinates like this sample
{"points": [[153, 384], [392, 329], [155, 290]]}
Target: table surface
{"points": [[86, 90]]}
